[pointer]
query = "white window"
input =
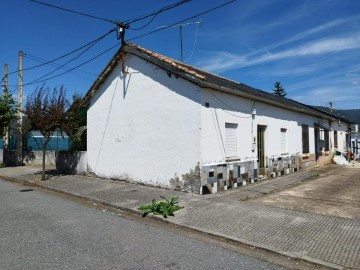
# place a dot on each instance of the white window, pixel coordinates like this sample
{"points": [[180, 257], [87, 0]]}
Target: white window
{"points": [[284, 144], [231, 139]]}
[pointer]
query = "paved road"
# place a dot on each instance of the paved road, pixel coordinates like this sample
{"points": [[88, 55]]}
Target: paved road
{"points": [[41, 231]]}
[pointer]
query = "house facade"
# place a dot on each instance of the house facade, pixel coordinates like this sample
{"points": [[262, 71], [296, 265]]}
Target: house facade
{"points": [[158, 121]]}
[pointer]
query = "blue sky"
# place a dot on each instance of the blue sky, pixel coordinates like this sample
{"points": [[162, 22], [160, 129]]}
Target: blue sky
{"points": [[311, 47]]}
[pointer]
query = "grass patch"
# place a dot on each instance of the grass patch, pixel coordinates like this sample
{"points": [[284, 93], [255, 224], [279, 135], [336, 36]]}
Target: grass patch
{"points": [[244, 199], [165, 207]]}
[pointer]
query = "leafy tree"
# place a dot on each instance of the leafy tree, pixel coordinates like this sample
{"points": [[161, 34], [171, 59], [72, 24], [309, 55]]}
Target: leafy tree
{"points": [[76, 124], [8, 111], [279, 90], [46, 112]]}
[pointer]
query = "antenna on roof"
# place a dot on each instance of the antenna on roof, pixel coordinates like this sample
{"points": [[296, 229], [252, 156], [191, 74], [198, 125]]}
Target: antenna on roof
{"points": [[181, 25]]}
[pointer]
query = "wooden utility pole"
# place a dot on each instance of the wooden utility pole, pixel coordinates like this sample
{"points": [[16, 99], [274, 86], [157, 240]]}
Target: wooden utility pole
{"points": [[6, 129], [19, 137]]}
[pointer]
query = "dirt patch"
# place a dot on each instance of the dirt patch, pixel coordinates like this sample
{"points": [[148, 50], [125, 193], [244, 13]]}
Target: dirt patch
{"points": [[337, 194]]}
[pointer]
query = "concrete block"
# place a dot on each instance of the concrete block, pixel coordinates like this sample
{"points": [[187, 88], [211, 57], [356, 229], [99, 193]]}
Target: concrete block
{"points": [[273, 174], [235, 185], [225, 188], [243, 183], [286, 171]]}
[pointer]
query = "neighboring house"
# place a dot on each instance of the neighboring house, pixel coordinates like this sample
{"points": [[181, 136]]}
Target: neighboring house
{"points": [[352, 117], [155, 120]]}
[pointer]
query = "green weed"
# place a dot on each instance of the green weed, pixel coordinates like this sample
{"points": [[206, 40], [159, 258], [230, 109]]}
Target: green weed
{"points": [[165, 208]]}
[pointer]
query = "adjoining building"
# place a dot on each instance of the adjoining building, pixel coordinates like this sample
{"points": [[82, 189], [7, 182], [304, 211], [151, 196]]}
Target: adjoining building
{"points": [[158, 121]]}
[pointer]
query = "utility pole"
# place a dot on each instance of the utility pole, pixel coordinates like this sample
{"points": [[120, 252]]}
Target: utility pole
{"points": [[19, 137], [6, 129]]}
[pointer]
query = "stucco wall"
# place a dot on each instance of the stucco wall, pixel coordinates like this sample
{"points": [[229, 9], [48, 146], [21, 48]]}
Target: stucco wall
{"points": [[145, 126], [232, 109], [342, 129], [74, 162]]}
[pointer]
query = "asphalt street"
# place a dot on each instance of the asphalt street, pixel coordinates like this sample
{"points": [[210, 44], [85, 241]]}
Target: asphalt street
{"points": [[39, 230]]}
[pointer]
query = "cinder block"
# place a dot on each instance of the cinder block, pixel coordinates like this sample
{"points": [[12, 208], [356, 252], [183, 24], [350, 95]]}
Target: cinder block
{"points": [[273, 174], [235, 185], [286, 171]]}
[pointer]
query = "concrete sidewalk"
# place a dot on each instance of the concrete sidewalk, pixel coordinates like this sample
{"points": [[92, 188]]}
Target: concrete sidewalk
{"points": [[326, 240]]}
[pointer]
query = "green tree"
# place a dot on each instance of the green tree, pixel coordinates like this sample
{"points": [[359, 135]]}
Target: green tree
{"points": [[8, 111], [76, 124], [46, 112], [278, 90]]}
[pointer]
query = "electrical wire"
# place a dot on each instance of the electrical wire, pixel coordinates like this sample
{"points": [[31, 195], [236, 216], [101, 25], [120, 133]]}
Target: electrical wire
{"points": [[235, 109], [63, 68], [157, 12], [142, 27], [72, 59], [73, 68], [184, 20], [42, 60], [75, 12], [63, 56], [193, 49]]}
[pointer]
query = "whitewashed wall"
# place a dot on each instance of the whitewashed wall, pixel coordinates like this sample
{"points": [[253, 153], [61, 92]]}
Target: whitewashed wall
{"points": [[342, 129], [232, 109], [144, 127]]}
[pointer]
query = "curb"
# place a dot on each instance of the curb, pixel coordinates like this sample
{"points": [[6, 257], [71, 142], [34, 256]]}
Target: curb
{"points": [[237, 241]]}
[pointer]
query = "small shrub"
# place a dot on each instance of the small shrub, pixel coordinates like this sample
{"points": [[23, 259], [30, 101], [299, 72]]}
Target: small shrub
{"points": [[165, 208]]}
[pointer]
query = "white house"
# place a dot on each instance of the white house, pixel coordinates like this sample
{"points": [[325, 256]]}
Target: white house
{"points": [[158, 121]]}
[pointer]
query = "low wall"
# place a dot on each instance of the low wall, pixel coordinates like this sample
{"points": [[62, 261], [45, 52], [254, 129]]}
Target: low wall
{"points": [[29, 157], [71, 162]]}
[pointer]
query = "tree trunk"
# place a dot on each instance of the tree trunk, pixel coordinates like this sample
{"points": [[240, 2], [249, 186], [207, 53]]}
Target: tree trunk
{"points": [[43, 159]]}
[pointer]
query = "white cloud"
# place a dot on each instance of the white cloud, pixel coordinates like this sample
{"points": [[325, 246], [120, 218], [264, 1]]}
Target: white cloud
{"points": [[225, 61]]}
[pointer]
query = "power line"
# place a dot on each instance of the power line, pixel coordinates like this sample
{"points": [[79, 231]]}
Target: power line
{"points": [[42, 60], [184, 20], [65, 55], [154, 14], [75, 12], [75, 72], [72, 59], [73, 68]]}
